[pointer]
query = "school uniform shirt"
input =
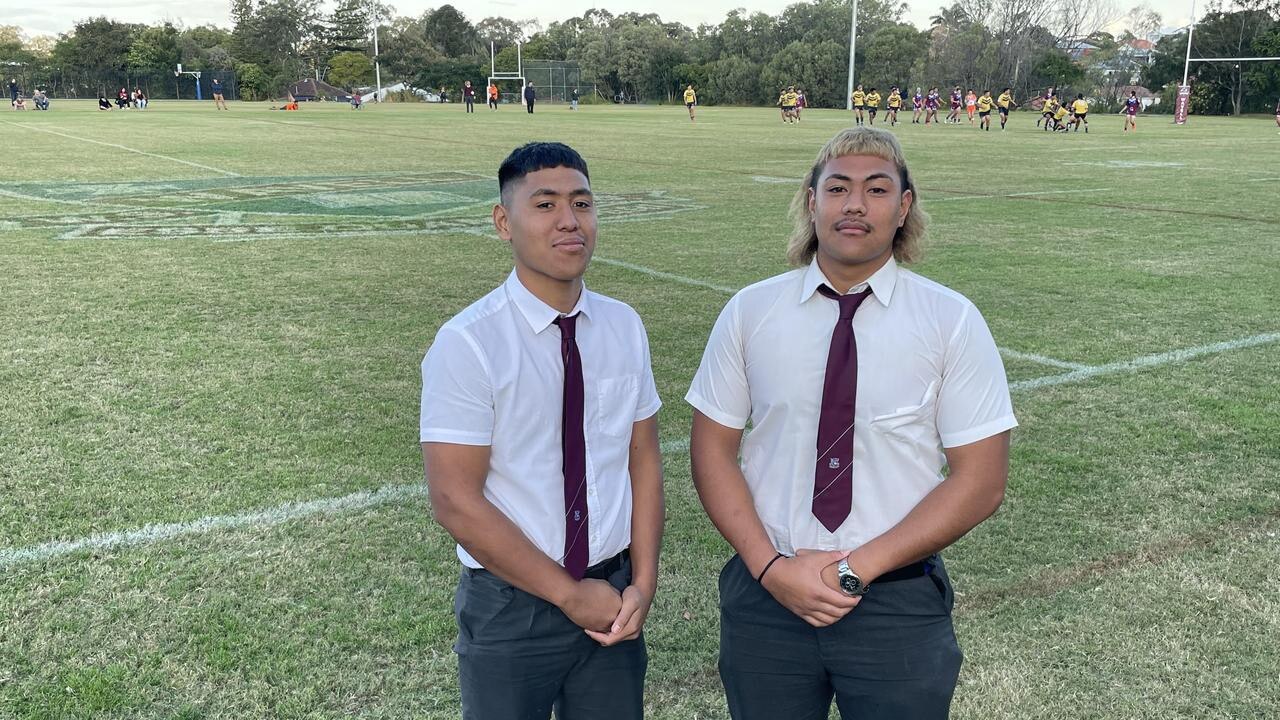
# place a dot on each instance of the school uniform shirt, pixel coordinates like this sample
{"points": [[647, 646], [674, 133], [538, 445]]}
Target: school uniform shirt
{"points": [[929, 377], [494, 376]]}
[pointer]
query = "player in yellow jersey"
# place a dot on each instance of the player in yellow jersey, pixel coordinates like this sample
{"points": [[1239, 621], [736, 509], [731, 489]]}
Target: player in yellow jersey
{"points": [[859, 102], [895, 104], [1004, 104], [984, 103], [1081, 109], [873, 105], [690, 99], [1059, 118], [788, 103]]}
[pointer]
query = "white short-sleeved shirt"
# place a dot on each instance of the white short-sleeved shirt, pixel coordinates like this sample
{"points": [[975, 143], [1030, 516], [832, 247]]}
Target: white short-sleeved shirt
{"points": [[494, 376], [929, 377]]}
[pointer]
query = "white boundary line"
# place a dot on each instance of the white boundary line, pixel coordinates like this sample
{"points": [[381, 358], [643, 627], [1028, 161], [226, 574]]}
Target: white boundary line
{"points": [[1017, 355], [1146, 361], [664, 275], [288, 512], [928, 201], [122, 147]]}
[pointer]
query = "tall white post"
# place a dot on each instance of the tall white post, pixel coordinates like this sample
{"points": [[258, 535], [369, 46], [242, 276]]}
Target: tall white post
{"points": [[1190, 30], [377, 67], [853, 44]]}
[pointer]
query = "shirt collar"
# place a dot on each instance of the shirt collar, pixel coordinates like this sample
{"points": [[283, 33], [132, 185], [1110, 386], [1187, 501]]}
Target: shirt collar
{"points": [[882, 282], [538, 314]]}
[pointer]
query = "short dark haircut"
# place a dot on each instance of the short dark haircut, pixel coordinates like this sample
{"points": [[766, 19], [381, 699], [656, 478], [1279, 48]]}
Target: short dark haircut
{"points": [[536, 156]]}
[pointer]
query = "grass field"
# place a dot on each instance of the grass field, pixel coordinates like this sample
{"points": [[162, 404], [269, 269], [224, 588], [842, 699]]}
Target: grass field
{"points": [[212, 324]]}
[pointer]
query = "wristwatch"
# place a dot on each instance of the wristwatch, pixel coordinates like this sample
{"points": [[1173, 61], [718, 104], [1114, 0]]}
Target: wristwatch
{"points": [[850, 583]]}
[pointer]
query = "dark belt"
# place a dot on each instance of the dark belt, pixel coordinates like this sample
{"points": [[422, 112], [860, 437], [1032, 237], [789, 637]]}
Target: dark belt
{"points": [[599, 571], [907, 572], [602, 571]]}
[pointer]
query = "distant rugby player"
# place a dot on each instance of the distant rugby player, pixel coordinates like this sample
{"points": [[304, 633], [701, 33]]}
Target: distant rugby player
{"points": [[873, 105], [1132, 104], [1004, 103], [1048, 98], [690, 99], [917, 101], [859, 102], [895, 104], [984, 104], [1081, 109]]}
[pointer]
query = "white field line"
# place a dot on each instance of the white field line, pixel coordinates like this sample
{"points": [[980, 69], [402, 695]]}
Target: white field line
{"points": [[1146, 361], [288, 512], [1263, 179], [122, 147], [1042, 360], [664, 275], [263, 518], [1015, 195]]}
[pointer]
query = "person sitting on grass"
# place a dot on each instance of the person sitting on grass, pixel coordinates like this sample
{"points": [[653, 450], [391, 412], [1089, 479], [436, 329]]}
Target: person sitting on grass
{"points": [[41, 100], [19, 104], [103, 102]]}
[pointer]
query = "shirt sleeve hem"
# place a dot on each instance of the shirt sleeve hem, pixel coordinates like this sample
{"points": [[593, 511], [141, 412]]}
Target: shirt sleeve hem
{"points": [[701, 405], [648, 412], [980, 432], [454, 436]]}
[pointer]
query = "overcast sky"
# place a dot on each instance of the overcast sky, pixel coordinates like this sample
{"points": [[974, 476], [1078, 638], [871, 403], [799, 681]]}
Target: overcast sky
{"points": [[39, 17]]}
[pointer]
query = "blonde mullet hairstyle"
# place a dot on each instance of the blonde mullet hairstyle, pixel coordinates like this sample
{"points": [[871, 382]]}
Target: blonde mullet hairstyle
{"points": [[803, 243]]}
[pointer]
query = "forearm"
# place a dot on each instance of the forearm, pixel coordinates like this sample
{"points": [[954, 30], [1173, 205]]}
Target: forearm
{"points": [[648, 513], [493, 540], [967, 497], [723, 490]]}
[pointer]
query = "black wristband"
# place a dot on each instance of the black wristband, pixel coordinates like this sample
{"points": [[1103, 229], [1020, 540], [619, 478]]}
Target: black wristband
{"points": [[760, 578]]}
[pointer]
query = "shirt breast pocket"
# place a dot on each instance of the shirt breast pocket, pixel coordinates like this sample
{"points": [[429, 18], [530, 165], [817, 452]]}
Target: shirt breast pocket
{"points": [[913, 423], [616, 399]]}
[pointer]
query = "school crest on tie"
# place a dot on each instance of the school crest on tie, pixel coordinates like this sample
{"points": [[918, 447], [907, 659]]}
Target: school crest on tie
{"points": [[834, 463]]}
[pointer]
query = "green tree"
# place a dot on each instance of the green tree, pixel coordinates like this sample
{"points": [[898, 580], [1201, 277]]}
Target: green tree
{"points": [[252, 81], [154, 50], [820, 69], [734, 80], [350, 69], [451, 33], [889, 57]]}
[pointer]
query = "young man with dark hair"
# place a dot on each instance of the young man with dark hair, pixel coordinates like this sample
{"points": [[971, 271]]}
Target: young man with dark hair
{"points": [[540, 442], [984, 104], [1080, 112], [862, 381], [469, 96], [493, 95]]}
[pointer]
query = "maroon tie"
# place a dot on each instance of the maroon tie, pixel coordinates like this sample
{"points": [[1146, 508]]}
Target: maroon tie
{"points": [[574, 448], [833, 476]]}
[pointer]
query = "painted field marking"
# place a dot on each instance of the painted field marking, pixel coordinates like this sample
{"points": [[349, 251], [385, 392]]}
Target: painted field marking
{"points": [[663, 275], [263, 518], [387, 494], [1146, 361], [122, 147], [1032, 357], [929, 201]]}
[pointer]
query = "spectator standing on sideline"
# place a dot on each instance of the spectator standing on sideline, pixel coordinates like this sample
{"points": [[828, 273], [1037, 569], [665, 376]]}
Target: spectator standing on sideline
{"points": [[530, 95], [573, 99], [13, 91], [469, 96]]}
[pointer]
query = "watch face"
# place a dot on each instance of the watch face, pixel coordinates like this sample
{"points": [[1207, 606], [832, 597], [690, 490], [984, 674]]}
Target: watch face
{"points": [[851, 584]]}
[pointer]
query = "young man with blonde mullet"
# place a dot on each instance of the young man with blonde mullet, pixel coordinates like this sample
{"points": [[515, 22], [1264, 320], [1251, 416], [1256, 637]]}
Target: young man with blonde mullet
{"points": [[540, 438], [862, 381]]}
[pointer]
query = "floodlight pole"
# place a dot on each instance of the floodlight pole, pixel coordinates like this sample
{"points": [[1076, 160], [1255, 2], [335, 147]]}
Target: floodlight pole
{"points": [[853, 43]]}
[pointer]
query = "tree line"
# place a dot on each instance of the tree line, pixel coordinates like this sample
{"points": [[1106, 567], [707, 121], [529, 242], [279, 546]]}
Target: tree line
{"points": [[743, 60]]}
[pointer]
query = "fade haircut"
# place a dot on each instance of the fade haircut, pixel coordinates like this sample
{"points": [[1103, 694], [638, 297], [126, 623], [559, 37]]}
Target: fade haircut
{"points": [[803, 243], [535, 156]]}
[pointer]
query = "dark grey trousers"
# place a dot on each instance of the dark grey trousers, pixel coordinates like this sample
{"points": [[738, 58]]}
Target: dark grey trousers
{"points": [[520, 657], [894, 657]]}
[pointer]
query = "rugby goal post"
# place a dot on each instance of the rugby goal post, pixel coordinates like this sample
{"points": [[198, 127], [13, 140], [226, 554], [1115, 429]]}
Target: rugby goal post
{"points": [[1183, 108], [506, 78]]}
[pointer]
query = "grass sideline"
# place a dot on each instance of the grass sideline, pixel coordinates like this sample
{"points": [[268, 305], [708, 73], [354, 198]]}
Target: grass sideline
{"points": [[212, 314]]}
